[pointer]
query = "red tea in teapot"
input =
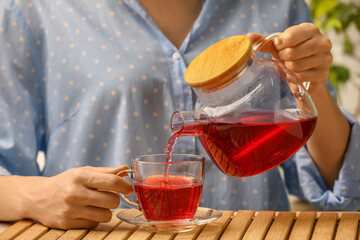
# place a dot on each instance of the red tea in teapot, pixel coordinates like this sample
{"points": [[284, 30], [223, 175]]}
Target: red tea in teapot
{"points": [[251, 113], [257, 142], [168, 198]]}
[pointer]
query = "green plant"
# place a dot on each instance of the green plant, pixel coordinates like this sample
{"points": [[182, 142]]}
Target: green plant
{"points": [[338, 16]]}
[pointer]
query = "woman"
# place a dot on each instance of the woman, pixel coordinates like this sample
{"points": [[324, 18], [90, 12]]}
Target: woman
{"points": [[95, 84]]}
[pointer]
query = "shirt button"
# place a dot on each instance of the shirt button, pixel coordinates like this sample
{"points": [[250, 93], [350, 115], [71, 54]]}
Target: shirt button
{"points": [[176, 55]]}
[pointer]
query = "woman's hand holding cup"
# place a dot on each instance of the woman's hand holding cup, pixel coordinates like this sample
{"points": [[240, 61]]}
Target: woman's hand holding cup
{"points": [[77, 198]]}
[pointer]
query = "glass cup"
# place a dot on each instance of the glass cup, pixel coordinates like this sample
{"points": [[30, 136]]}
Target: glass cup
{"points": [[166, 191]]}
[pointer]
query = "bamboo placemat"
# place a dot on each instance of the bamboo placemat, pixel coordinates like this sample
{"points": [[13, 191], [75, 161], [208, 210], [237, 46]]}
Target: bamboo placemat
{"points": [[247, 225]]}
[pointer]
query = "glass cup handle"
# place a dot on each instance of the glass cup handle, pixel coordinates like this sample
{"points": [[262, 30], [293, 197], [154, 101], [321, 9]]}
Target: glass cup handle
{"points": [[128, 202], [263, 41]]}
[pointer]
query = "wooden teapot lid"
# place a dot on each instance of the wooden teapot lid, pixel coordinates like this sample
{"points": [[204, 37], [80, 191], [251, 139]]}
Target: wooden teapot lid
{"points": [[216, 65]]}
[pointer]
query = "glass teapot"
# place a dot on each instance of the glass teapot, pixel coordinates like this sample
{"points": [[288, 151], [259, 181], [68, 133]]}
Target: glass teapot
{"points": [[252, 114]]}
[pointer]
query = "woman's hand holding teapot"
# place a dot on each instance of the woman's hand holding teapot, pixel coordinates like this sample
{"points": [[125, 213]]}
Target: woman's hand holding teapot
{"points": [[304, 50]]}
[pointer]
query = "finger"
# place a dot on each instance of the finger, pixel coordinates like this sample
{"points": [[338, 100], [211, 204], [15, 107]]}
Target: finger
{"points": [[100, 215], [306, 49], [75, 223], [109, 182], [107, 169], [300, 51], [307, 63], [102, 199], [254, 37], [82, 223], [314, 76], [267, 45], [295, 35]]}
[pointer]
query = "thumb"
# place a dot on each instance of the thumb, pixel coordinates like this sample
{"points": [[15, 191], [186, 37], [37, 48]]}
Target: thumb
{"points": [[254, 37], [267, 45]]}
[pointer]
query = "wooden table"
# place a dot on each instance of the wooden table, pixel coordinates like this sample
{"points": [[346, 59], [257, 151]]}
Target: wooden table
{"points": [[248, 225]]}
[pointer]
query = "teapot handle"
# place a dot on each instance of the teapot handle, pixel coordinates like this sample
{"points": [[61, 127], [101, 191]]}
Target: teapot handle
{"points": [[268, 37]]}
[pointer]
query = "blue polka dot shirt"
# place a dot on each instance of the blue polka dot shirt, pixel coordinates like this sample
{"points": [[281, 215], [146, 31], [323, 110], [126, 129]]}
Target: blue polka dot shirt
{"points": [[95, 83]]}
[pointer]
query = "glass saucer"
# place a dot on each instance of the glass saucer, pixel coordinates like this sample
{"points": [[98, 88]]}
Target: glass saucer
{"points": [[202, 216]]}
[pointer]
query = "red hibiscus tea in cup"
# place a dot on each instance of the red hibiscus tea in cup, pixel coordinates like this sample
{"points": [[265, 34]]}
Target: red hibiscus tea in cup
{"points": [[167, 189], [168, 198]]}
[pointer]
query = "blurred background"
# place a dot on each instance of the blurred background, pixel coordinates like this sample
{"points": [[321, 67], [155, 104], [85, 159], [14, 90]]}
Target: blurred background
{"points": [[340, 21]]}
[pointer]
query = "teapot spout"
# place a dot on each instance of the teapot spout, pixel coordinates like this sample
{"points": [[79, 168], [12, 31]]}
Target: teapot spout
{"points": [[190, 123]]}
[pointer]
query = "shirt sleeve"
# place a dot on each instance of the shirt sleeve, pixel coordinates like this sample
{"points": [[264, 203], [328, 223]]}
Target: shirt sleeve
{"points": [[304, 180], [21, 118]]}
